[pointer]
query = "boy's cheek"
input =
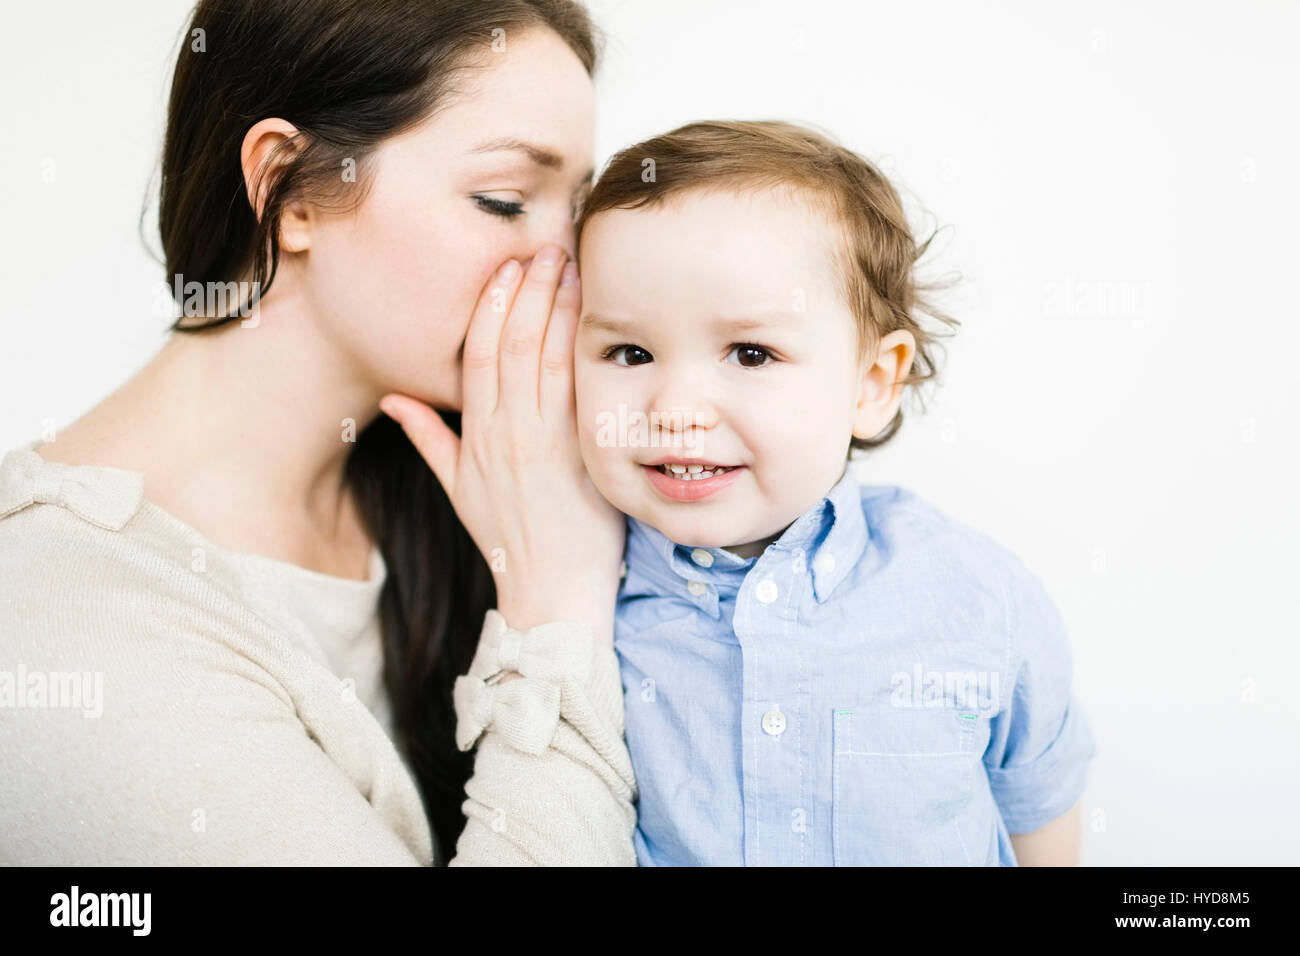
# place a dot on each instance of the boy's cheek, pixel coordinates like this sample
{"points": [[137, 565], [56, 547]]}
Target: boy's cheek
{"points": [[594, 432], [607, 473], [587, 411], [594, 402]]}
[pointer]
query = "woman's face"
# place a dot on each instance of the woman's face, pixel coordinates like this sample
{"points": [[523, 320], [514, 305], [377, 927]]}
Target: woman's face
{"points": [[495, 174]]}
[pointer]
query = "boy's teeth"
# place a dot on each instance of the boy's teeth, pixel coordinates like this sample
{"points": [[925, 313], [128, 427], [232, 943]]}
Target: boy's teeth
{"points": [[692, 472]]}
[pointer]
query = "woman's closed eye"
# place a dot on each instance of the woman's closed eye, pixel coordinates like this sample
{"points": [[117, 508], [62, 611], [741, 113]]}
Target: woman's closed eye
{"points": [[499, 207], [754, 356], [509, 209]]}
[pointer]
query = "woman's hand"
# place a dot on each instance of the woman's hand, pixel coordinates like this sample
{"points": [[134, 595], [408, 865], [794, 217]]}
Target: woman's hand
{"points": [[515, 475]]}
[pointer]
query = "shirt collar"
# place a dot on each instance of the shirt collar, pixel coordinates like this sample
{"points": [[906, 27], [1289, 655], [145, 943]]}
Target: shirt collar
{"points": [[828, 540]]}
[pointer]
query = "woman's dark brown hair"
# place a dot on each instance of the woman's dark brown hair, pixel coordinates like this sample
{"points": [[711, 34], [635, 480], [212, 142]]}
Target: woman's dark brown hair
{"points": [[347, 75]]}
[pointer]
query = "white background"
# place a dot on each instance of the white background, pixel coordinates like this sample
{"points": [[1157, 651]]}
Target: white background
{"points": [[1118, 188]]}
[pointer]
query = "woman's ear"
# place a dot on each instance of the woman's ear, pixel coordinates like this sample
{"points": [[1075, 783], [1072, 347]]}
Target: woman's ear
{"points": [[881, 387], [264, 149]]}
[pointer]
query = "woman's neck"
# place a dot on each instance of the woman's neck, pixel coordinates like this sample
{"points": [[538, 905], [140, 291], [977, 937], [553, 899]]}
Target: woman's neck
{"points": [[243, 433]]}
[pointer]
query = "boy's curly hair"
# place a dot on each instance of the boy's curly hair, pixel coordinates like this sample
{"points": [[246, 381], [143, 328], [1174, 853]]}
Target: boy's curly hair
{"points": [[876, 252]]}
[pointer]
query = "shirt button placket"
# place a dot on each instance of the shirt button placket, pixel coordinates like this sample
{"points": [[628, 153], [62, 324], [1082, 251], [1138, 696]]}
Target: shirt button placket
{"points": [[770, 789], [774, 722]]}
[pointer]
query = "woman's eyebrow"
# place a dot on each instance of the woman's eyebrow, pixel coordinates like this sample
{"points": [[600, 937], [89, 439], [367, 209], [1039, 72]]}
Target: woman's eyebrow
{"points": [[540, 155]]}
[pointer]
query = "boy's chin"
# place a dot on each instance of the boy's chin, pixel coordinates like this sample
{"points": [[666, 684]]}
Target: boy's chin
{"points": [[688, 533]]}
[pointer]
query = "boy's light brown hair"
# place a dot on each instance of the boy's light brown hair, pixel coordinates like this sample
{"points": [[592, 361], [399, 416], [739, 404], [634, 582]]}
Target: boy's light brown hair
{"points": [[876, 251]]}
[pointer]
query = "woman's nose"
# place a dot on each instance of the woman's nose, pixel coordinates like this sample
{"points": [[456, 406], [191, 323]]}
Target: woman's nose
{"points": [[550, 230], [561, 235]]}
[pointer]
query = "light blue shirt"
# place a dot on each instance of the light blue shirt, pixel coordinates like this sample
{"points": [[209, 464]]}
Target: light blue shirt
{"points": [[882, 686]]}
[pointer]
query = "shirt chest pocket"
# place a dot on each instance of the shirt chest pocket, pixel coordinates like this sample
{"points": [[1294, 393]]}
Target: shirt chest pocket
{"points": [[901, 779]]}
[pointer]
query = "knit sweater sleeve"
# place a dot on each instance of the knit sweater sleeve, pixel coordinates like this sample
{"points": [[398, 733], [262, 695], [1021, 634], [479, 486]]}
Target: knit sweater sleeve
{"points": [[553, 782]]}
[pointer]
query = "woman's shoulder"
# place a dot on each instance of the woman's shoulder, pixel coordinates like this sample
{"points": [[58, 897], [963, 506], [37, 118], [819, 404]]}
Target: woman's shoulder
{"points": [[88, 566], [104, 497], [71, 527]]}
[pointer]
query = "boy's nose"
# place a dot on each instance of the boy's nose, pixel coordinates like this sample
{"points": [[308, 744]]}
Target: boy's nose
{"points": [[684, 415]]}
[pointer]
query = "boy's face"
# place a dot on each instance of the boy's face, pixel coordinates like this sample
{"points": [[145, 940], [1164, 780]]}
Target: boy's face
{"points": [[714, 331]]}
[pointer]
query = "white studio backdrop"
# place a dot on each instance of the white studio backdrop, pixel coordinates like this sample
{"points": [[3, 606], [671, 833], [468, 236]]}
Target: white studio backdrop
{"points": [[1117, 187]]}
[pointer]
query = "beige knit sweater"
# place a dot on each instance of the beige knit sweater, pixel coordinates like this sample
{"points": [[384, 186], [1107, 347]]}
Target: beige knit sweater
{"points": [[164, 700]]}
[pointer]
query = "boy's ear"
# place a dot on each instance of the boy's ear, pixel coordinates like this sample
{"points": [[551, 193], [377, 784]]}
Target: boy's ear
{"points": [[882, 385]]}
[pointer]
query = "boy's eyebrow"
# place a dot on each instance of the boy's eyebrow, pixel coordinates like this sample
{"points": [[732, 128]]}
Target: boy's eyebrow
{"points": [[598, 322], [739, 323]]}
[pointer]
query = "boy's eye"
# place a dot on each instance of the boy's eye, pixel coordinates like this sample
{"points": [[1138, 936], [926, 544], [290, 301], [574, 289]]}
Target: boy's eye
{"points": [[499, 207], [640, 354], [750, 356]]}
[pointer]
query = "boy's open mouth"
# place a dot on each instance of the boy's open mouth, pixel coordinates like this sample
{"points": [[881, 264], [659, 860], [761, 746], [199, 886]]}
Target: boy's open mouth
{"points": [[693, 472], [689, 481]]}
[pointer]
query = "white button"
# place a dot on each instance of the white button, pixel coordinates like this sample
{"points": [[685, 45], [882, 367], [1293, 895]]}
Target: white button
{"points": [[766, 591], [774, 722], [697, 587], [622, 571], [824, 562], [702, 558]]}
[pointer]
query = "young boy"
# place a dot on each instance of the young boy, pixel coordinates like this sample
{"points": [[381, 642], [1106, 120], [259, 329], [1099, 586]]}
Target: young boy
{"points": [[816, 672]]}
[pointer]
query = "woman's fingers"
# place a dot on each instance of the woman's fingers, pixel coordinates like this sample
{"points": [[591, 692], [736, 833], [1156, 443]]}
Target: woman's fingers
{"points": [[480, 368], [521, 339], [555, 397], [436, 443]]}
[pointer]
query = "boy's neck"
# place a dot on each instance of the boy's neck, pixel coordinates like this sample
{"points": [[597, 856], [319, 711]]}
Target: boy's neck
{"points": [[754, 548]]}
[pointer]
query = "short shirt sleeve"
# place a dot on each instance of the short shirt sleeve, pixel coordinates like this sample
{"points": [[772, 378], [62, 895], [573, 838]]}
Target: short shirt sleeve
{"points": [[1040, 744]]}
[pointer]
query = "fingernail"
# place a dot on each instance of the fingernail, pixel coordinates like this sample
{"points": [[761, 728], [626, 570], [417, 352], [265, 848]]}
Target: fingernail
{"points": [[509, 271], [550, 255], [570, 275], [386, 407]]}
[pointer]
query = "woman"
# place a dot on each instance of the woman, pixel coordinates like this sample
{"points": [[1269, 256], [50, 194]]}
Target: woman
{"points": [[219, 545]]}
